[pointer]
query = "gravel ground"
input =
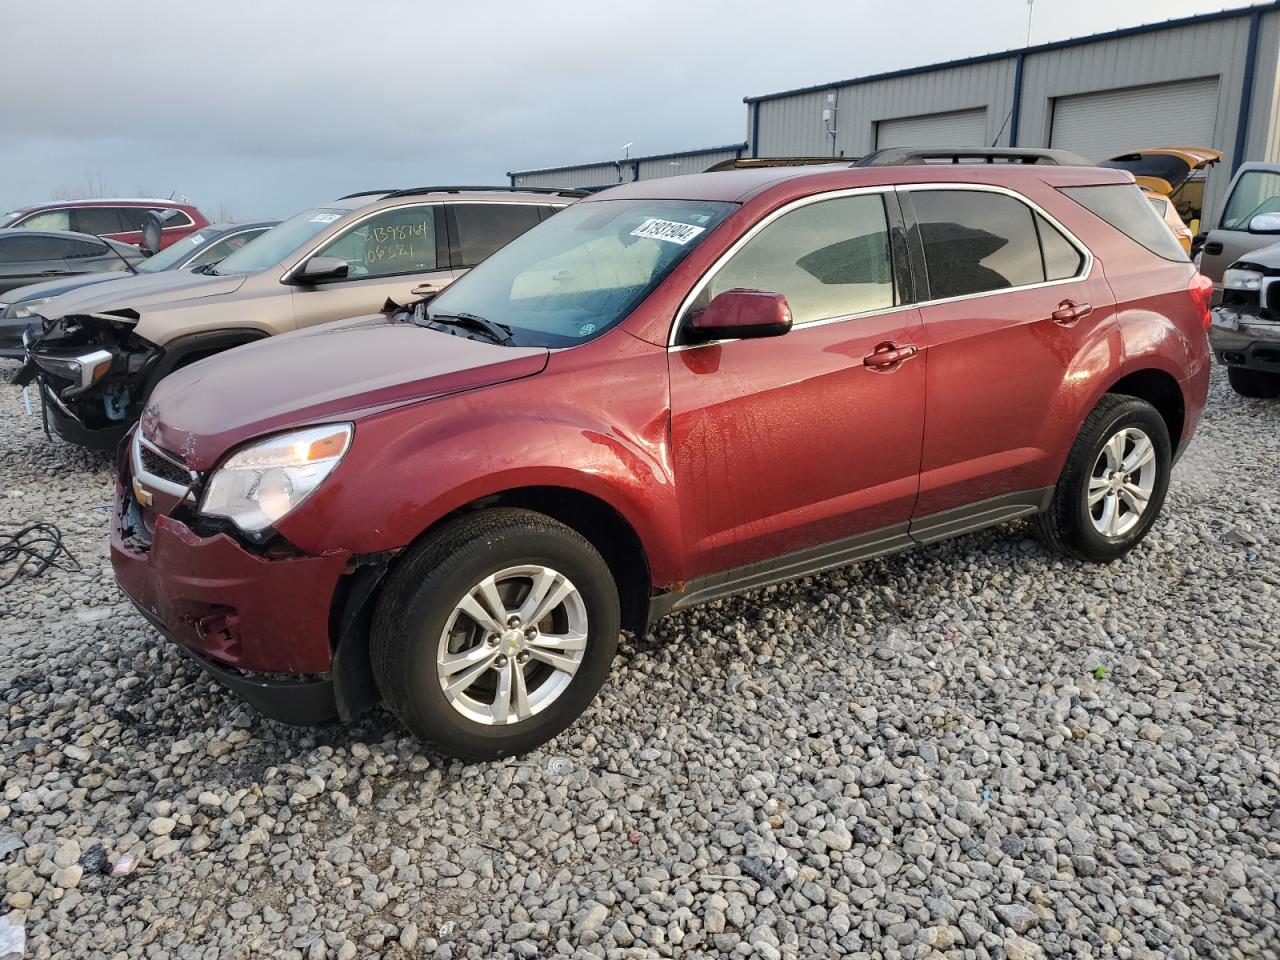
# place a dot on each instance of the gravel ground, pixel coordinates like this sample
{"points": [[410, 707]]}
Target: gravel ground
{"points": [[972, 750]]}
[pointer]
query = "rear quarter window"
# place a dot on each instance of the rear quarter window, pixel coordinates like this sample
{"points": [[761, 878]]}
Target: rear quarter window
{"points": [[1124, 207]]}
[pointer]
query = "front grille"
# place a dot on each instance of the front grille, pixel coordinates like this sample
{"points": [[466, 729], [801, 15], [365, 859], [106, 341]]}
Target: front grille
{"points": [[164, 468]]}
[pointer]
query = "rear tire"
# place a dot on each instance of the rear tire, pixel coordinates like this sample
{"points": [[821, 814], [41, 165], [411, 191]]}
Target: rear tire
{"points": [[1113, 484], [494, 633], [1257, 384]]}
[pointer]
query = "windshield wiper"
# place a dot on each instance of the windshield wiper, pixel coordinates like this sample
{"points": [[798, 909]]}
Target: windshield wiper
{"points": [[497, 332]]}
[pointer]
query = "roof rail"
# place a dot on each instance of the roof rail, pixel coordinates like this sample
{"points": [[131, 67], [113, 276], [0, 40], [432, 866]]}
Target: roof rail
{"points": [[749, 163], [366, 193], [489, 188], [898, 156]]}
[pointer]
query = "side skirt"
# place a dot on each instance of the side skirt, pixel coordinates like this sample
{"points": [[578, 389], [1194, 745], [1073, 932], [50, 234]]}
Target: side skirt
{"points": [[878, 543]]}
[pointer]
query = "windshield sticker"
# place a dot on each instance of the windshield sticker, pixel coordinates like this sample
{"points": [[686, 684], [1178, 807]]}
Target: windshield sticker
{"points": [[586, 329], [668, 230], [196, 239], [325, 217]]}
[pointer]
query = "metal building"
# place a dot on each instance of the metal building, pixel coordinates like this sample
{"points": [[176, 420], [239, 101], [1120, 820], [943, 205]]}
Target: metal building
{"points": [[625, 170], [1211, 80], [1208, 80]]}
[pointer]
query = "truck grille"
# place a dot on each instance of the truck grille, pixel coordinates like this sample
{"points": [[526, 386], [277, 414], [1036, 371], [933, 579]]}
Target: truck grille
{"points": [[159, 470]]}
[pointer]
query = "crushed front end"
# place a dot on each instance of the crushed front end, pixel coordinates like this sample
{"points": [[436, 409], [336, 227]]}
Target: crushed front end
{"points": [[93, 371], [1246, 324], [259, 618]]}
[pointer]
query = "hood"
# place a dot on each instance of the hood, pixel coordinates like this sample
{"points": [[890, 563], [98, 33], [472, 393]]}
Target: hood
{"points": [[335, 371], [1267, 258], [134, 291], [56, 288]]}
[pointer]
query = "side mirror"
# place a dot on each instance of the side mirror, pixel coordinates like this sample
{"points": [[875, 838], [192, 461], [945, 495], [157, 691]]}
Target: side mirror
{"points": [[321, 269], [1265, 223], [742, 314], [152, 224]]}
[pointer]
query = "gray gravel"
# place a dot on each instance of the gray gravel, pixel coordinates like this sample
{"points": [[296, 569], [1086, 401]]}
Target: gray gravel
{"points": [[972, 750]]}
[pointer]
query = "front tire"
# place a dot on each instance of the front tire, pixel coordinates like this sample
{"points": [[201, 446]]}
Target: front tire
{"points": [[494, 633], [1113, 484], [1256, 384]]}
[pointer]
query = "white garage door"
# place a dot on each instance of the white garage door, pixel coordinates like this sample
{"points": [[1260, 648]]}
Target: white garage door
{"points": [[1100, 125], [961, 128]]}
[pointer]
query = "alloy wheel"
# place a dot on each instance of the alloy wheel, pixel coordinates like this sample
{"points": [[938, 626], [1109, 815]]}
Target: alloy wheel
{"points": [[512, 644], [1121, 483]]}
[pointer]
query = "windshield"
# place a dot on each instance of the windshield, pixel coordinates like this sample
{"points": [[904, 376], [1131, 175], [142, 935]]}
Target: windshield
{"points": [[1257, 191], [574, 276], [277, 243], [174, 254]]}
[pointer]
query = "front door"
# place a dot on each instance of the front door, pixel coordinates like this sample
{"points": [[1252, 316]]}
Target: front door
{"points": [[785, 444], [397, 254], [1012, 302]]}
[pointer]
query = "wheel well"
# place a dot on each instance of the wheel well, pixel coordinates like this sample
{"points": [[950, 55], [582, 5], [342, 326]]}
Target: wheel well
{"points": [[601, 524], [1161, 391]]}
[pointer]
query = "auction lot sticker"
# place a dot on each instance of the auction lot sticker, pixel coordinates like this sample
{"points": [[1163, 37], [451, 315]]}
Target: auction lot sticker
{"points": [[668, 230]]}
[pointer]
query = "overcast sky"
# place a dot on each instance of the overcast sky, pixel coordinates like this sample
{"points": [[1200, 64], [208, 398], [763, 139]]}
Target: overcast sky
{"points": [[264, 108]]}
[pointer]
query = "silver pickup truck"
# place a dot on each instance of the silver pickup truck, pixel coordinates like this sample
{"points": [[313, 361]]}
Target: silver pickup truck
{"points": [[1254, 190], [1245, 334]]}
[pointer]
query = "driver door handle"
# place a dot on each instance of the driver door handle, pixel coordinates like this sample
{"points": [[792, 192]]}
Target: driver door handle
{"points": [[1069, 313], [425, 290]]}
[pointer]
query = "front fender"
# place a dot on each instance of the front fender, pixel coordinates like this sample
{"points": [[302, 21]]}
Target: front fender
{"points": [[411, 466]]}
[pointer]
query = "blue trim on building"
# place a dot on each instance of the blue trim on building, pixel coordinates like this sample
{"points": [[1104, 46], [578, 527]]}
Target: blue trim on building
{"points": [[1015, 111], [726, 148], [1024, 51], [755, 129], [1246, 97]]}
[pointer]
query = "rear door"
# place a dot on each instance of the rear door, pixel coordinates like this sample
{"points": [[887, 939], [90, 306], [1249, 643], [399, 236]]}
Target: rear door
{"points": [[30, 258], [479, 229], [1012, 299], [1253, 191], [799, 442], [398, 253]]}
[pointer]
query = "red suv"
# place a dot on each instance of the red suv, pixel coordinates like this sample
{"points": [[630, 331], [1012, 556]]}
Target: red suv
{"points": [[669, 392], [113, 219]]}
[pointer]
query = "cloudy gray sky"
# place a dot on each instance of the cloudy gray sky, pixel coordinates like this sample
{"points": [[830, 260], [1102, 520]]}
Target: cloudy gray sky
{"points": [[259, 107]]}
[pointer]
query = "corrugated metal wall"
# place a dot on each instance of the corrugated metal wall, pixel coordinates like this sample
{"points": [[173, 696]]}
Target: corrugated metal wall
{"points": [[651, 168], [636, 168], [588, 175], [1163, 56]]}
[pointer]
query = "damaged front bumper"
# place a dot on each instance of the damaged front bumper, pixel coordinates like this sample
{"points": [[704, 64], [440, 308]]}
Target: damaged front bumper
{"points": [[1246, 335], [259, 624], [92, 374]]}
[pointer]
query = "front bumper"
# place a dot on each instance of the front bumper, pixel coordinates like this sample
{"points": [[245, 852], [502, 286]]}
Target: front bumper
{"points": [[1241, 339], [69, 427], [237, 614]]}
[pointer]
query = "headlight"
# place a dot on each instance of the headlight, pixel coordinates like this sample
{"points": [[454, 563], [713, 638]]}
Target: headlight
{"points": [[260, 483], [24, 308], [1235, 279]]}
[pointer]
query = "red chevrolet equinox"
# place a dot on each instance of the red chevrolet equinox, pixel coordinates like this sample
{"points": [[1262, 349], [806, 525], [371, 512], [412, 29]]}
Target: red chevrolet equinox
{"points": [[669, 392]]}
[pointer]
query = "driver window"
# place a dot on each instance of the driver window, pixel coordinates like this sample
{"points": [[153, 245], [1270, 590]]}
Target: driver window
{"points": [[396, 241], [829, 259]]}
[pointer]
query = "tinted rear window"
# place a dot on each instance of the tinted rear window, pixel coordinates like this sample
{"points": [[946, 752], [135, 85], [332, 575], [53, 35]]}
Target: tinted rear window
{"points": [[99, 220], [484, 228], [976, 241], [1124, 207]]}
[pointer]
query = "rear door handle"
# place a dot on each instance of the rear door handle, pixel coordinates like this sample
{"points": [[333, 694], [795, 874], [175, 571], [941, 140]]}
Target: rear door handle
{"points": [[1069, 313], [889, 355]]}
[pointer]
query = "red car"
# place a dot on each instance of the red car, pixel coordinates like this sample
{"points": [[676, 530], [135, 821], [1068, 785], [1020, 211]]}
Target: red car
{"points": [[668, 392], [112, 219]]}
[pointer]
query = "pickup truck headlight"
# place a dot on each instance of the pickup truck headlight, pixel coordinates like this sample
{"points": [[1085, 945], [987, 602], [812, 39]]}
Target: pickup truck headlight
{"points": [[24, 308], [260, 483], [1235, 279]]}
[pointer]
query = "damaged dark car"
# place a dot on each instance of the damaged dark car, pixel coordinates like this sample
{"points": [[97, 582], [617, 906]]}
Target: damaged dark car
{"points": [[1246, 326]]}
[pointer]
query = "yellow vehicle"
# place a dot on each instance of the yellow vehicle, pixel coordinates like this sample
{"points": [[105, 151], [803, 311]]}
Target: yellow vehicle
{"points": [[1178, 173], [1159, 198]]}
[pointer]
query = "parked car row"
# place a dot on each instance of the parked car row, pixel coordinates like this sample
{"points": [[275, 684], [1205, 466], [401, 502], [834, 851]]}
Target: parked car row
{"points": [[536, 418], [119, 219]]}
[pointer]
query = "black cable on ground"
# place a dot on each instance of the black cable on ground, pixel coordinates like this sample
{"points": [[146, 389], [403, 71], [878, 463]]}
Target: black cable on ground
{"points": [[37, 543]]}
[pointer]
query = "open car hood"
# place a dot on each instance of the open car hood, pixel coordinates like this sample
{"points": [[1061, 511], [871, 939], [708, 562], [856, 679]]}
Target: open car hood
{"points": [[332, 372], [56, 288], [141, 290]]}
